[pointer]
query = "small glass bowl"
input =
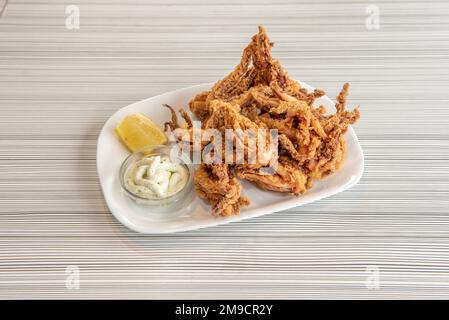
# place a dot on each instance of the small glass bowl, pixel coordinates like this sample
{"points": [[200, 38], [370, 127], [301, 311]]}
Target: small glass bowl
{"points": [[162, 150]]}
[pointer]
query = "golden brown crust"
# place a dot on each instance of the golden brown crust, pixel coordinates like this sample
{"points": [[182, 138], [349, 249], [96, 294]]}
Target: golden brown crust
{"points": [[258, 94], [287, 178], [216, 184]]}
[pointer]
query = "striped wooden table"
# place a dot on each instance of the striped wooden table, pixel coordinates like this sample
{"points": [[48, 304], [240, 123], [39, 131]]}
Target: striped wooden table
{"points": [[388, 237]]}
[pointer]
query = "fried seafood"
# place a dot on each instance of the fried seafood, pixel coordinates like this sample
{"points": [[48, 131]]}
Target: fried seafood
{"points": [[256, 68], [288, 177], [259, 95], [216, 184]]}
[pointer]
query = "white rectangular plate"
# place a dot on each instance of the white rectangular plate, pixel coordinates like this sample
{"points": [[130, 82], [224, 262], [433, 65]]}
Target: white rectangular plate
{"points": [[111, 153]]}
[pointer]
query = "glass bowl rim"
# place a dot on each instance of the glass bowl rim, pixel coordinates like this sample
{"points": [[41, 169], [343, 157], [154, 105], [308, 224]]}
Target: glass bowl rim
{"points": [[124, 166]]}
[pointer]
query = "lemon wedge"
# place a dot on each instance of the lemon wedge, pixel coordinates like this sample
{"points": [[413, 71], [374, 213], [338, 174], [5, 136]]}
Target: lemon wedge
{"points": [[138, 131]]}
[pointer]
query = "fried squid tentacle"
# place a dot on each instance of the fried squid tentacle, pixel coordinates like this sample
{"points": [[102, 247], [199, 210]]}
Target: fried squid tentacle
{"points": [[288, 177], [216, 184], [258, 94]]}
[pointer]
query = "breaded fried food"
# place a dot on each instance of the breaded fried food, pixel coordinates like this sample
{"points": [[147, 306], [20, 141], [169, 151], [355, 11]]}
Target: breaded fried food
{"points": [[259, 94], [288, 177], [217, 185]]}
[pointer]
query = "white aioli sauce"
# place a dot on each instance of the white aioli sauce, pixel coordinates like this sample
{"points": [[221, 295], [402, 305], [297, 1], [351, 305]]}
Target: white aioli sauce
{"points": [[156, 177]]}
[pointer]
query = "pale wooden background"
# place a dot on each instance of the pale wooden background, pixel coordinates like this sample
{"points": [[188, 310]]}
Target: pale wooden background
{"points": [[58, 86]]}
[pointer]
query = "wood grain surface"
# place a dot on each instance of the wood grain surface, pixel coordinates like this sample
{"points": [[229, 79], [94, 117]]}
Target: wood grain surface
{"points": [[59, 85]]}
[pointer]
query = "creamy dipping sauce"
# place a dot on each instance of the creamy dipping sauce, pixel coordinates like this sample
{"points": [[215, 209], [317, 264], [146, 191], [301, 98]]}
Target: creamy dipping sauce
{"points": [[156, 177]]}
